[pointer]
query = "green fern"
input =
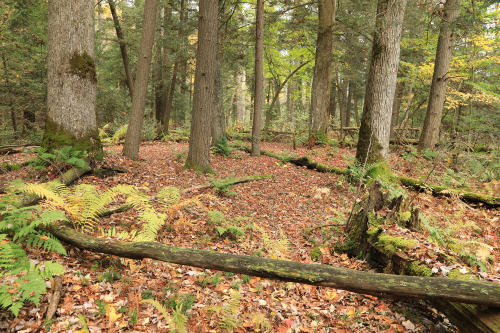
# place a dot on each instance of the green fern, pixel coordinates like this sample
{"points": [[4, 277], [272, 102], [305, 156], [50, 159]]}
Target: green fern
{"points": [[178, 321], [276, 246], [262, 322], [229, 312]]}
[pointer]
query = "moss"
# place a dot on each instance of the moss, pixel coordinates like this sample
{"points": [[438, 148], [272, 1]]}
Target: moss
{"points": [[56, 137], [10, 167], [455, 274], [83, 65], [389, 244], [417, 269], [192, 165]]}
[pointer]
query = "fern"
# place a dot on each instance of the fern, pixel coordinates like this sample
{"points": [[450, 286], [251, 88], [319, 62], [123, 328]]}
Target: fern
{"points": [[178, 321], [262, 322], [278, 247], [229, 312]]}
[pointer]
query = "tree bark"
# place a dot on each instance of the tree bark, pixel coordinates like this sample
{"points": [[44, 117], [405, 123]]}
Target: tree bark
{"points": [[373, 142], [259, 77], [206, 57], [133, 137], [320, 94], [382, 285], [432, 122], [72, 80], [396, 107], [123, 48]]}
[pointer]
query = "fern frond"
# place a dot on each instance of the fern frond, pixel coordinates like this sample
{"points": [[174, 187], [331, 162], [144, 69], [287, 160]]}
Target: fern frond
{"points": [[152, 224], [52, 191], [158, 306], [179, 320], [169, 195], [229, 316], [278, 247], [262, 322], [49, 269]]}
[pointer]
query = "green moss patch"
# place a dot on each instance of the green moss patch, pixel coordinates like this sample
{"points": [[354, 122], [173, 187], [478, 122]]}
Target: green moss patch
{"points": [[83, 65]]}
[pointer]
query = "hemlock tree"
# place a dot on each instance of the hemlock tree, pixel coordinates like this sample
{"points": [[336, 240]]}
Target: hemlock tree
{"points": [[320, 94], [432, 122], [133, 137], [72, 81], [259, 77], [373, 142], [203, 96]]}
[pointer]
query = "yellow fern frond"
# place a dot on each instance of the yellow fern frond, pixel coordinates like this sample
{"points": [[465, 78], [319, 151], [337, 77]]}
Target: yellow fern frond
{"points": [[169, 195], [278, 247]]}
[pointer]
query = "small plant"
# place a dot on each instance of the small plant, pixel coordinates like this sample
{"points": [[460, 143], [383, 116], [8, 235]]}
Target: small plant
{"points": [[64, 155], [134, 317], [101, 307], [109, 276], [429, 154], [222, 147], [206, 279], [315, 254], [147, 294], [228, 313]]}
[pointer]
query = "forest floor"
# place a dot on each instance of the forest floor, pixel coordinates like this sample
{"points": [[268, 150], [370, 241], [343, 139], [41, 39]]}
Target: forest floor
{"points": [[298, 214]]}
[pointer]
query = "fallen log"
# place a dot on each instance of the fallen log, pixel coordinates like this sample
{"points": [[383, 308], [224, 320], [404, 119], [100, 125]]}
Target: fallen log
{"points": [[366, 236], [466, 196], [378, 284]]}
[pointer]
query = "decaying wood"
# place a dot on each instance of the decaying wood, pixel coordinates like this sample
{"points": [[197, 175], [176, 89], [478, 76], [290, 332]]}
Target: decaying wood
{"points": [[468, 317], [54, 301], [382, 285]]}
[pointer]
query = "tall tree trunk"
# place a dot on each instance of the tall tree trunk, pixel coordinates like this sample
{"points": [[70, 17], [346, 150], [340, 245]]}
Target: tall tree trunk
{"points": [[72, 80], [159, 88], [332, 109], [161, 103], [123, 48], [432, 122], [348, 106], [396, 106], [170, 99], [290, 106], [218, 120], [259, 77], [373, 142], [355, 102], [320, 94], [240, 97], [203, 100], [133, 137]]}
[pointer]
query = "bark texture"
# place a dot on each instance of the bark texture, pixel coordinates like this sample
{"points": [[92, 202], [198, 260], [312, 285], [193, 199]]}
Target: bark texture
{"points": [[72, 81], [203, 100], [373, 142], [123, 48], [320, 94], [133, 137], [432, 122], [384, 285], [259, 78]]}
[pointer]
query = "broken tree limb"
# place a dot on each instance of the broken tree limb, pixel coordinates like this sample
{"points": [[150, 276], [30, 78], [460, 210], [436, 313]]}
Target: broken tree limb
{"points": [[54, 301], [382, 285]]}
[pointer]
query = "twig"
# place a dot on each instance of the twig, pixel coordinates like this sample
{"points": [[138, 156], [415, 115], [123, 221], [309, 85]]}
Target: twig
{"points": [[56, 296]]}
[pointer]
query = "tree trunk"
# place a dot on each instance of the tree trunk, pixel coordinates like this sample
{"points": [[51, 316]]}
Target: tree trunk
{"points": [[240, 79], [170, 99], [396, 107], [123, 48], [72, 80], [355, 102], [290, 106], [348, 105], [219, 119], [384, 285], [332, 109], [158, 71], [259, 77], [373, 142], [133, 137], [206, 57], [320, 94], [432, 122]]}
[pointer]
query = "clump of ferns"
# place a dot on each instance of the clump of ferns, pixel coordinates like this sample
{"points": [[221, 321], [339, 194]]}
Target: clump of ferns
{"points": [[85, 203]]}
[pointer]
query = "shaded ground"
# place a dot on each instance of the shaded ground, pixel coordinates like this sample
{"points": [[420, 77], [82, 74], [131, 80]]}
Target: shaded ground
{"points": [[287, 213]]}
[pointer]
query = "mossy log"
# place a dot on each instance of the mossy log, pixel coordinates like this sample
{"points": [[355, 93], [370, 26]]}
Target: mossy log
{"points": [[366, 236], [378, 284], [470, 197]]}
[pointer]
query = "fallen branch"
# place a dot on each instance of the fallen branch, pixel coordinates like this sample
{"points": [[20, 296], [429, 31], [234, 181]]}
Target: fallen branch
{"points": [[382, 285], [54, 301]]}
